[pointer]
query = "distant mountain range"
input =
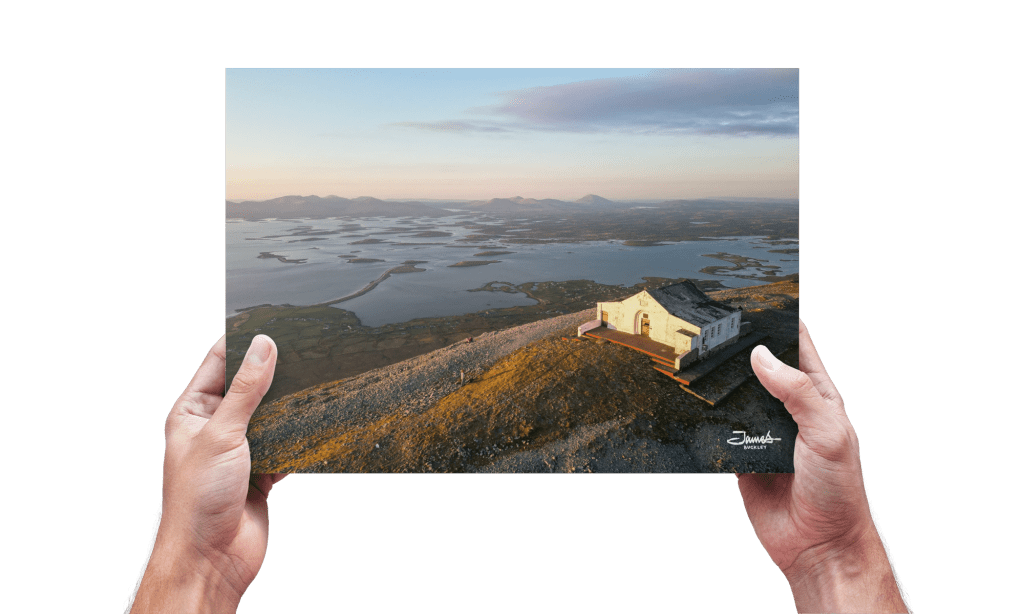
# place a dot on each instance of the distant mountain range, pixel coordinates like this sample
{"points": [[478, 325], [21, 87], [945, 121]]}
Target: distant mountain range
{"points": [[328, 206], [366, 206]]}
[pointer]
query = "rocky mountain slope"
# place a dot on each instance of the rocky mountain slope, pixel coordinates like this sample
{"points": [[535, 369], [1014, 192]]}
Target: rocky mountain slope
{"points": [[535, 399]]}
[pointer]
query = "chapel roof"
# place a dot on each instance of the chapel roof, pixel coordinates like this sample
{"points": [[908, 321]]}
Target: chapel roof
{"points": [[686, 301]]}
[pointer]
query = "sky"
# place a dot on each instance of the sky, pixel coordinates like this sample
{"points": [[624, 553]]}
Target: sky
{"points": [[487, 133]]}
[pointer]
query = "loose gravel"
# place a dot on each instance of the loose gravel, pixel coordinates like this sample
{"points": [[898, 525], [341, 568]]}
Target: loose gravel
{"points": [[410, 386]]}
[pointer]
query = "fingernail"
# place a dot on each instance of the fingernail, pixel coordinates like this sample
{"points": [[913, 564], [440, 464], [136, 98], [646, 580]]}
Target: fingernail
{"points": [[765, 357], [259, 350]]}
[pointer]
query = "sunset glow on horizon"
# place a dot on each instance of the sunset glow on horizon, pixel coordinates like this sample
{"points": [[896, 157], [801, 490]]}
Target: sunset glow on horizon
{"points": [[465, 134]]}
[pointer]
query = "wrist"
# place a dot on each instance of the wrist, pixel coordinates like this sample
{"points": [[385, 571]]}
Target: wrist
{"points": [[854, 576], [178, 578]]}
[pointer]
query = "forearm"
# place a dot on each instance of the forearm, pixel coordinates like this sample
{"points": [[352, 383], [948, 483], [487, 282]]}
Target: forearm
{"points": [[858, 578], [177, 580]]}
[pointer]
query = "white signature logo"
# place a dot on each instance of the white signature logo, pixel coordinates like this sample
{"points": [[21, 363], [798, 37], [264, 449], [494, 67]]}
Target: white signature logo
{"points": [[752, 443]]}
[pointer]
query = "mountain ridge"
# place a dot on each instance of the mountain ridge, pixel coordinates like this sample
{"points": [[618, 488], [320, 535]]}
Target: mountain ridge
{"points": [[535, 399]]}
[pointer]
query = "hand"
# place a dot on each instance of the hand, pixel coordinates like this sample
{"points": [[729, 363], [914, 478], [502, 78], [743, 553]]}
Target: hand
{"points": [[815, 523], [213, 530]]}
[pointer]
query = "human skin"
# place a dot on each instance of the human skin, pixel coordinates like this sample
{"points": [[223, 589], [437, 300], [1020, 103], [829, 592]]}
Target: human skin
{"points": [[213, 528], [815, 523]]}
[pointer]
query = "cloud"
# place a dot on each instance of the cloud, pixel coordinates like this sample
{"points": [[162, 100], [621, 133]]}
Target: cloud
{"points": [[453, 126], [736, 102]]}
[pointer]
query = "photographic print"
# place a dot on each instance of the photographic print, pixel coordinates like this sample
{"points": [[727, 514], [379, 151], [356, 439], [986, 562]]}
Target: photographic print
{"points": [[514, 270]]}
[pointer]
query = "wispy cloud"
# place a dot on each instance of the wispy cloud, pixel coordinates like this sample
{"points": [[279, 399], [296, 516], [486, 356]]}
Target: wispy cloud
{"points": [[453, 126], [735, 102]]}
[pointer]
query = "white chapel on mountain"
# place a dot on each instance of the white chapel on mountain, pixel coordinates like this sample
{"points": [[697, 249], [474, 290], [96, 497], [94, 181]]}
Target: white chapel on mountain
{"points": [[679, 315]]}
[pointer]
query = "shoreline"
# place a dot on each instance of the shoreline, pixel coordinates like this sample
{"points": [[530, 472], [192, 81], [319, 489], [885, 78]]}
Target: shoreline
{"points": [[317, 343], [525, 289], [762, 263], [405, 267]]}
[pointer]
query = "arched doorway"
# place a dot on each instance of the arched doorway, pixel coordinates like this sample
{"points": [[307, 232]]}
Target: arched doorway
{"points": [[642, 324]]}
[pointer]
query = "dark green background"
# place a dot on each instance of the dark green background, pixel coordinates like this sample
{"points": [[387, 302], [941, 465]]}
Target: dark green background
{"points": [[115, 144]]}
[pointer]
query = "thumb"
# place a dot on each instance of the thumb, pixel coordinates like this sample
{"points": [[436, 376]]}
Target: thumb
{"points": [[250, 384], [791, 386]]}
